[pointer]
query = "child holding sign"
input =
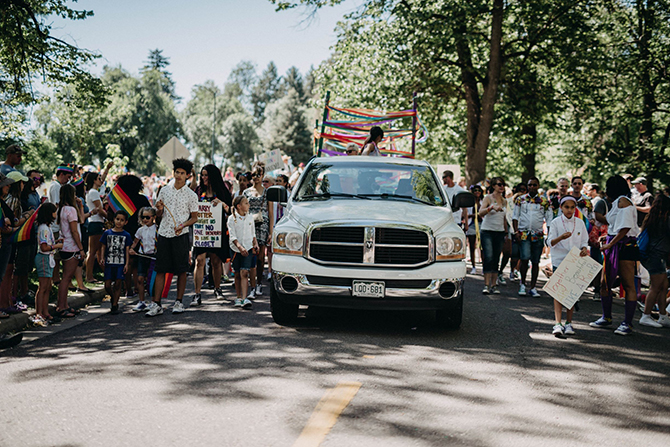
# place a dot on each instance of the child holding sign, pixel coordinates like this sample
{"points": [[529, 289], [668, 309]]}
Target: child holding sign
{"points": [[566, 232]]}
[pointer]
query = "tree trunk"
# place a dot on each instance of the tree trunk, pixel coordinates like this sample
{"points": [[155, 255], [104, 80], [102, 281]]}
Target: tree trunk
{"points": [[480, 124], [646, 133]]}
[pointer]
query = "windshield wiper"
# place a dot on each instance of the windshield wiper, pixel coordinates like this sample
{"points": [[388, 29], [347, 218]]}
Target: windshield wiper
{"points": [[328, 195], [397, 196]]}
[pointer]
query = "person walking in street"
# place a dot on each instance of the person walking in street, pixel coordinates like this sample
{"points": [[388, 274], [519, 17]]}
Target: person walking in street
{"points": [[242, 242], [263, 216], [451, 189], [531, 211], [96, 223], [212, 189], [471, 232], [657, 226], [370, 145], [493, 230], [642, 200], [115, 257], [566, 232], [177, 210], [145, 242], [621, 255]]}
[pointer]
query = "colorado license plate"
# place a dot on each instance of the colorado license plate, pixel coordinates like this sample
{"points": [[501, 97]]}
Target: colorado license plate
{"points": [[368, 289]]}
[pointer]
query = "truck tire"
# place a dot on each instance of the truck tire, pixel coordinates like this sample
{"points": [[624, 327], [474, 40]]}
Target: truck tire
{"points": [[450, 318], [282, 312]]}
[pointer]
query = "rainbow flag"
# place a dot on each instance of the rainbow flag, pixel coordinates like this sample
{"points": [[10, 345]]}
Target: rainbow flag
{"points": [[582, 216], [24, 232], [119, 200]]}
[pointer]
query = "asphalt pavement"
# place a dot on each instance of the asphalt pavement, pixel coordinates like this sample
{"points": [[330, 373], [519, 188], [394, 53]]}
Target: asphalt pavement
{"points": [[217, 375]]}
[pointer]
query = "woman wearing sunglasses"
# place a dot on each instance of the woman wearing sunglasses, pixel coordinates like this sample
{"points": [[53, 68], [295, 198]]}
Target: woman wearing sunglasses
{"points": [[494, 227]]}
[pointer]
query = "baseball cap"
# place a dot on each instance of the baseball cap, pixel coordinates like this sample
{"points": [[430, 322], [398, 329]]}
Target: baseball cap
{"points": [[17, 176], [639, 180]]}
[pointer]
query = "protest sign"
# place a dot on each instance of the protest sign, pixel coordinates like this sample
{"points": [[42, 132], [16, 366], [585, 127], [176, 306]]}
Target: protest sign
{"points": [[272, 160], [207, 230], [571, 278]]}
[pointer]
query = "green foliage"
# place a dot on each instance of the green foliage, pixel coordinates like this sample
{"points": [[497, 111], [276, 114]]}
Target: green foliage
{"points": [[286, 127], [240, 140]]}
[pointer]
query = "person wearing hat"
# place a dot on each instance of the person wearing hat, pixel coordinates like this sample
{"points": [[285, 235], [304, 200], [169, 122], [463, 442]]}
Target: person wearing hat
{"points": [[642, 199], [13, 156]]}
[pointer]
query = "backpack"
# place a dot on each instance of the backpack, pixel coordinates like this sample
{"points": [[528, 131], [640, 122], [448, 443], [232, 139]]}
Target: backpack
{"points": [[643, 243]]}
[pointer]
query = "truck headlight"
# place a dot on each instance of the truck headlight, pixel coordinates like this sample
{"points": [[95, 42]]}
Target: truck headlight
{"points": [[288, 243], [449, 248]]}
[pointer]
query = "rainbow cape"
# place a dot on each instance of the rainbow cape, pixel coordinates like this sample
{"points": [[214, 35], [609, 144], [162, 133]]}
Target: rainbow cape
{"points": [[24, 232], [119, 200], [580, 215]]}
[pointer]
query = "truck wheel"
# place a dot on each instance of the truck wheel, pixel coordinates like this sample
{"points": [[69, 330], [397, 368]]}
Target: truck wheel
{"points": [[282, 312], [451, 317]]}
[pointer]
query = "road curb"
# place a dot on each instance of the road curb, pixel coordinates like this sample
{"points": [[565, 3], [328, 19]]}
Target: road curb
{"points": [[17, 322]]}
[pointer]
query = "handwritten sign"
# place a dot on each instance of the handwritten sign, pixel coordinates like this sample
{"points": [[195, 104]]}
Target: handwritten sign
{"points": [[571, 278], [272, 160], [207, 230]]}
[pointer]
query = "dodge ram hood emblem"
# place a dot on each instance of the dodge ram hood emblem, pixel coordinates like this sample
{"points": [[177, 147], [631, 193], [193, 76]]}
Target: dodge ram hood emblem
{"points": [[368, 244]]}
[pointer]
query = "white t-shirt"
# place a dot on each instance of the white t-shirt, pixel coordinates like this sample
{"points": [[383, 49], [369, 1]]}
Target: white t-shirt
{"points": [[620, 218], [450, 195], [91, 197], [242, 230], [147, 237], [53, 196], [579, 237]]}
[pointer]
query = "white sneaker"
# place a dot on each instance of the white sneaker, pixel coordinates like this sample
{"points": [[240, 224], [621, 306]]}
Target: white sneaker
{"points": [[664, 320], [646, 320], [246, 304], [154, 309], [140, 307], [557, 330], [196, 300], [252, 294], [238, 302], [485, 290], [494, 290], [568, 330], [473, 271], [501, 280], [534, 293], [178, 307], [259, 290], [522, 290]]}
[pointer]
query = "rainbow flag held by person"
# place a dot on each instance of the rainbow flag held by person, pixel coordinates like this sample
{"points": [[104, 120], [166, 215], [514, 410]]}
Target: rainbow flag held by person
{"points": [[151, 281], [24, 232], [582, 216], [119, 200]]}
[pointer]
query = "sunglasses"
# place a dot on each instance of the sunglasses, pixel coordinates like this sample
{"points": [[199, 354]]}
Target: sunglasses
{"points": [[256, 175], [146, 217], [499, 184]]}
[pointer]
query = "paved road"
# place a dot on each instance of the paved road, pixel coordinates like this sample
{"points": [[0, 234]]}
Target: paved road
{"points": [[222, 376]]}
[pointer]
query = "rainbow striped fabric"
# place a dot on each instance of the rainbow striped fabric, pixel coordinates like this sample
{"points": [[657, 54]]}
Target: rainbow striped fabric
{"points": [[77, 182], [119, 200], [24, 232], [582, 216]]}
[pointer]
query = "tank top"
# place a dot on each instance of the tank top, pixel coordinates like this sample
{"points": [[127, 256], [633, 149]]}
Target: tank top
{"points": [[495, 220], [375, 152]]}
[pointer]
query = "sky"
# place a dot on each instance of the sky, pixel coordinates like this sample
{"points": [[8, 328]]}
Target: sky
{"points": [[204, 39]]}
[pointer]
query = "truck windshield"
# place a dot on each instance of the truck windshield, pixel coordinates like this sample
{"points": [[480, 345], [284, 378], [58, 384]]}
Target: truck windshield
{"points": [[362, 180]]}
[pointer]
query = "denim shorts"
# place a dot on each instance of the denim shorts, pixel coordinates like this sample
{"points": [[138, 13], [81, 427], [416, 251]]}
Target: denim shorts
{"points": [[529, 250], [43, 267], [655, 264], [241, 262], [143, 266]]}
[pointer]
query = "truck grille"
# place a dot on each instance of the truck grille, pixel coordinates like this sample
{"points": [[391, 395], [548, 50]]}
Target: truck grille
{"points": [[370, 246]]}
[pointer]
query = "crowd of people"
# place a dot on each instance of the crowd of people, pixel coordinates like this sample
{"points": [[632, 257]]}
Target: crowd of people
{"points": [[623, 227], [77, 238]]}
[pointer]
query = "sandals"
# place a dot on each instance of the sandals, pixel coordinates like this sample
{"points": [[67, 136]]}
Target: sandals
{"points": [[67, 313], [3, 314]]}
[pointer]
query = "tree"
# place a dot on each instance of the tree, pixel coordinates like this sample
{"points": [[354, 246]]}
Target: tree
{"points": [[286, 127], [239, 139], [28, 49], [157, 62], [265, 91]]}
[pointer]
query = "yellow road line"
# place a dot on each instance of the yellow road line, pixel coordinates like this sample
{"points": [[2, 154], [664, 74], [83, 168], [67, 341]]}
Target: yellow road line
{"points": [[326, 413]]}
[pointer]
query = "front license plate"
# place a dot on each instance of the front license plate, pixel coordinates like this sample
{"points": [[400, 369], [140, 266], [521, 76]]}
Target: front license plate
{"points": [[368, 289]]}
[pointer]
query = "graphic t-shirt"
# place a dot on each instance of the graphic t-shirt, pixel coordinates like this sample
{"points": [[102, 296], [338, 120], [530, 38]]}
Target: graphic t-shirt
{"points": [[46, 236], [116, 243]]}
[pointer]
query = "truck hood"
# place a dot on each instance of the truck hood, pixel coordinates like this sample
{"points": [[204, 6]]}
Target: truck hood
{"points": [[352, 210]]}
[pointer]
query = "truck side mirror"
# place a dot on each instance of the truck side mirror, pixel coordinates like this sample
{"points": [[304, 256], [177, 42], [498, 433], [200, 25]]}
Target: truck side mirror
{"points": [[278, 194], [462, 199]]}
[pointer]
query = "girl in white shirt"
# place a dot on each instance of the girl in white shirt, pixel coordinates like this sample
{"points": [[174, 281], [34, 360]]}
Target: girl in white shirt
{"points": [[242, 240], [566, 232]]}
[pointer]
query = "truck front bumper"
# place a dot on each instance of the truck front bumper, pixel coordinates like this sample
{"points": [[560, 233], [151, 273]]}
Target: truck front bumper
{"points": [[300, 281]]}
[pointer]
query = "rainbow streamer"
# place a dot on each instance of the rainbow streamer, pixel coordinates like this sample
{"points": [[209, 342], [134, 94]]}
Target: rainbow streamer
{"points": [[582, 216], [24, 232], [119, 200], [77, 182]]}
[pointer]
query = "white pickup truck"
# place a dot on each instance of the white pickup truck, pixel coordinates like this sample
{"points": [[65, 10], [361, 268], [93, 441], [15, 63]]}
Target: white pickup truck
{"points": [[368, 233]]}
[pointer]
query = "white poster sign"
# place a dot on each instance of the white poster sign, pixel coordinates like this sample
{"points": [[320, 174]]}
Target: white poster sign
{"points": [[272, 160], [571, 278], [207, 231]]}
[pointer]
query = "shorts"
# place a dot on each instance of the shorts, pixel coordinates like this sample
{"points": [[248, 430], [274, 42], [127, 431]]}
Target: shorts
{"points": [[172, 254], [143, 266], [531, 250], [42, 266], [655, 264], [241, 262], [114, 272], [629, 252], [222, 253], [96, 228], [67, 255], [25, 253]]}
